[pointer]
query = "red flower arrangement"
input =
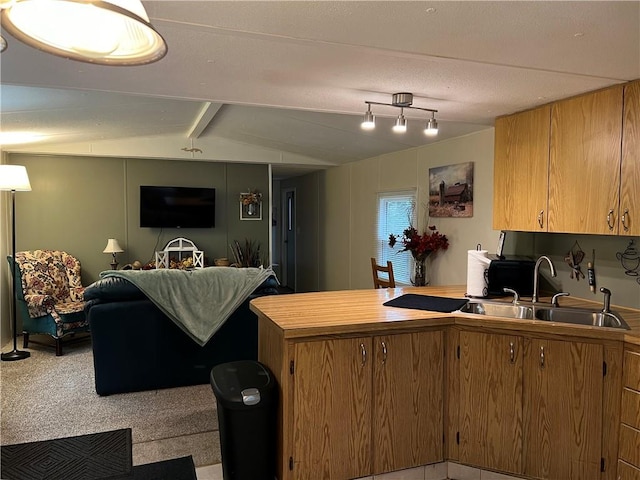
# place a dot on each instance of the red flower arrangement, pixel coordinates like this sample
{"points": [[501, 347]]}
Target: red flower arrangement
{"points": [[420, 245]]}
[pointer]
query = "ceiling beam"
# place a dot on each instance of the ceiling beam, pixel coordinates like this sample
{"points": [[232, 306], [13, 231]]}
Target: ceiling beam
{"points": [[204, 118]]}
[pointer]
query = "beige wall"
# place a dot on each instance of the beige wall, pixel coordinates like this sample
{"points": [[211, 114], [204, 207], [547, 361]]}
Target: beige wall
{"points": [[347, 202], [77, 203], [350, 208]]}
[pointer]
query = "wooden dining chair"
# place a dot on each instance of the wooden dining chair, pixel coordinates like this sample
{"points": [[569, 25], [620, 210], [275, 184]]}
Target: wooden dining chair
{"points": [[382, 282]]}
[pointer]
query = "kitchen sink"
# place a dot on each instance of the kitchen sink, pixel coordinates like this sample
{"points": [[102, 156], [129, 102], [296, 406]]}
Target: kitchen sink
{"points": [[496, 309], [546, 312], [580, 316]]}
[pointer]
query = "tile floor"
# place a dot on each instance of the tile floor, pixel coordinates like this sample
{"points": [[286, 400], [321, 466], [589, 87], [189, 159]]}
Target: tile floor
{"points": [[440, 471]]}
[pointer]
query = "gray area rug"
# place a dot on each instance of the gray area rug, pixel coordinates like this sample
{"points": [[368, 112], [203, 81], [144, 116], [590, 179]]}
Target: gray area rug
{"points": [[46, 397], [98, 456]]}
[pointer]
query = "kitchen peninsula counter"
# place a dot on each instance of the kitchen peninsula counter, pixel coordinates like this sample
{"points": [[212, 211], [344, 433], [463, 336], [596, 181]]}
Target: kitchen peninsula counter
{"points": [[354, 311], [366, 389]]}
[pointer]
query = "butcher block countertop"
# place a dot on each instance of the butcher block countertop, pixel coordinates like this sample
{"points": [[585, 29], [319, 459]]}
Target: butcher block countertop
{"points": [[305, 315]]}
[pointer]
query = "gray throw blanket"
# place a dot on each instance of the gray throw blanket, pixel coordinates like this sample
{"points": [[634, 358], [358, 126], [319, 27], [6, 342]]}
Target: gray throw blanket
{"points": [[198, 301]]}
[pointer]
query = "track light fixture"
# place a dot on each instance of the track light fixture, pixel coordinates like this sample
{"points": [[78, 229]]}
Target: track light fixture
{"points": [[369, 122], [431, 129], [400, 100]]}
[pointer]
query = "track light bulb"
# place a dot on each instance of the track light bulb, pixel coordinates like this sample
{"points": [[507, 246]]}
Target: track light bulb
{"points": [[431, 129], [369, 121], [401, 124]]}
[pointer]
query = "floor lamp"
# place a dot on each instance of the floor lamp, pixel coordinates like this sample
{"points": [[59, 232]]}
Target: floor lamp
{"points": [[14, 178]]}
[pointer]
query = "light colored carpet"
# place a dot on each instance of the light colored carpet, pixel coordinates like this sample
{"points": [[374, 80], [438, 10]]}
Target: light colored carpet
{"points": [[45, 397]]}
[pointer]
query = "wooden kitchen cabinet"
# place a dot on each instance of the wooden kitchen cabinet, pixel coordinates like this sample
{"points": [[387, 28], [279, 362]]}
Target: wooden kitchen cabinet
{"points": [[367, 405], [629, 215], [490, 404], [531, 406], [563, 409], [557, 168], [521, 171], [408, 391], [584, 163], [629, 449], [332, 409]]}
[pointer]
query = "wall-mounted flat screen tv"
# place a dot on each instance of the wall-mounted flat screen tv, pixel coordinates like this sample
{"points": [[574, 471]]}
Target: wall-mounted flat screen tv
{"points": [[177, 207]]}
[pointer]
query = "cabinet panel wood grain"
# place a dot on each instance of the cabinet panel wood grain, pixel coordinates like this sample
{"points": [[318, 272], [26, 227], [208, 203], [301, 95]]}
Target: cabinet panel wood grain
{"points": [[408, 400], [332, 409], [630, 171], [630, 445], [631, 376], [490, 417], [563, 428], [631, 408], [627, 472], [584, 163], [521, 171]]}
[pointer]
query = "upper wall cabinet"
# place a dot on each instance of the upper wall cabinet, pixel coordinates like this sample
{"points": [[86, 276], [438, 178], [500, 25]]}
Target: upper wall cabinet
{"points": [[559, 168], [629, 223], [521, 171], [584, 163]]}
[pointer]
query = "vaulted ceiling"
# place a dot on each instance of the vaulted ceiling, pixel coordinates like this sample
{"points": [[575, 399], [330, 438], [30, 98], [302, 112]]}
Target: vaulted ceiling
{"points": [[286, 82]]}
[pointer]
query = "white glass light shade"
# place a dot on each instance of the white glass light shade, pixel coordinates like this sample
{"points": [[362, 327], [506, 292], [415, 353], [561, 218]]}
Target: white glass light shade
{"points": [[14, 177], [112, 246], [369, 121], [400, 125], [114, 32]]}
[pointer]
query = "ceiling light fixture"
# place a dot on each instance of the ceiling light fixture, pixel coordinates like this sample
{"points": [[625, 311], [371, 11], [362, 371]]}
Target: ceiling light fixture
{"points": [[401, 123], [3, 44], [431, 130], [109, 32], [369, 122], [400, 100]]}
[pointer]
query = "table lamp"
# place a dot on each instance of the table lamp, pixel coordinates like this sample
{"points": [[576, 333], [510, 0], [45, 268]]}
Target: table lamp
{"points": [[113, 247]]}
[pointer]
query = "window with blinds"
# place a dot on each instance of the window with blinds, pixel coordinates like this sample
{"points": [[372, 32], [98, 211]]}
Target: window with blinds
{"points": [[395, 213]]}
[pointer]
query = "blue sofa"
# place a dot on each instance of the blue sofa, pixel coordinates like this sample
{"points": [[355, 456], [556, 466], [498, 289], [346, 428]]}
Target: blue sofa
{"points": [[137, 347]]}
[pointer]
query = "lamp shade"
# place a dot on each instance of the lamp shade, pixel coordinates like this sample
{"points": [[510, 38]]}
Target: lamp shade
{"points": [[14, 177], [110, 32], [112, 246]]}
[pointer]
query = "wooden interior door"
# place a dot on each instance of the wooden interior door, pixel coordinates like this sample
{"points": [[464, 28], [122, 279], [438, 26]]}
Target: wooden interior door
{"points": [[584, 165], [332, 409], [521, 171], [630, 173], [490, 415], [408, 400], [563, 408]]}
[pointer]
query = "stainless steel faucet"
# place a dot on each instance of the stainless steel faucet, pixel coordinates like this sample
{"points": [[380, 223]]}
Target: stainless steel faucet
{"points": [[534, 297], [607, 300]]}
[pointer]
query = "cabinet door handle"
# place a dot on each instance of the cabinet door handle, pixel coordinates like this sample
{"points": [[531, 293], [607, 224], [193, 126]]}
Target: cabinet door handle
{"points": [[512, 352], [384, 352], [609, 215], [541, 356], [363, 352], [541, 219], [624, 219]]}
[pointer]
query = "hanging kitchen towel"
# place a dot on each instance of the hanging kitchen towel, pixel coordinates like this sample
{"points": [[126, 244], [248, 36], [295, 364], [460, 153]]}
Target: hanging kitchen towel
{"points": [[477, 266], [427, 302]]}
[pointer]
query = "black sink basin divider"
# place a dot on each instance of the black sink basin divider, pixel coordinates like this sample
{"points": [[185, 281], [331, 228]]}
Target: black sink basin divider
{"points": [[427, 302]]}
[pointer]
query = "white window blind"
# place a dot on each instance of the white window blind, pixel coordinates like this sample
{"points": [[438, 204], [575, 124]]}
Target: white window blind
{"points": [[395, 213]]}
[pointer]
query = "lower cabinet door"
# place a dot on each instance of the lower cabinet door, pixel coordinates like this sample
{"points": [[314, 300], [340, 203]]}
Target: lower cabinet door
{"points": [[408, 386], [564, 382], [332, 409], [490, 411]]}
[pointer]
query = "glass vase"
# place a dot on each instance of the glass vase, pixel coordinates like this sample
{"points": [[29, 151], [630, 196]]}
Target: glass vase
{"points": [[419, 273]]}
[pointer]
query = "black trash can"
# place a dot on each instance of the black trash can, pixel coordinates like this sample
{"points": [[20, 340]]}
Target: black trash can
{"points": [[246, 396]]}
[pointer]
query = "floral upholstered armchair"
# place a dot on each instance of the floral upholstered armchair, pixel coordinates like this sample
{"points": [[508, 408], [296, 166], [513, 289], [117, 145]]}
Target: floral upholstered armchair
{"points": [[49, 294]]}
